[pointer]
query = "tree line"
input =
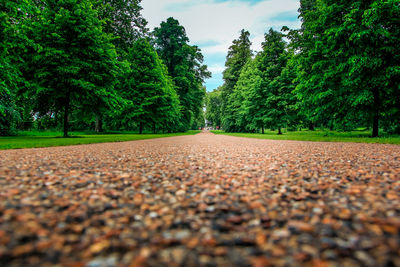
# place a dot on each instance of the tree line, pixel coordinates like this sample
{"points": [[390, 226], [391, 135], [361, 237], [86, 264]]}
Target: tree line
{"points": [[339, 71], [94, 64]]}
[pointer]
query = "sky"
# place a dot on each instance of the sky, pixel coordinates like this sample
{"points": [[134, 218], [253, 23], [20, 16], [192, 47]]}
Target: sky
{"points": [[214, 24]]}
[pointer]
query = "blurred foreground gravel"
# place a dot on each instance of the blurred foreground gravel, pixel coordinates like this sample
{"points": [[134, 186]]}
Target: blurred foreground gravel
{"points": [[202, 200]]}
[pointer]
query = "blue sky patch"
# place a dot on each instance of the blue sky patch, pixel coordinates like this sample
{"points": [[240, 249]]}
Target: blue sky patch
{"points": [[215, 81], [208, 43], [252, 2], [291, 16], [215, 58]]}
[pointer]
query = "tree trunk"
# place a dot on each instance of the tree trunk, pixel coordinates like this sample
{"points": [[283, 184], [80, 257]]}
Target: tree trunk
{"points": [[141, 128], [312, 127], [66, 113], [375, 122], [99, 124], [154, 128], [262, 130], [375, 126], [279, 130]]}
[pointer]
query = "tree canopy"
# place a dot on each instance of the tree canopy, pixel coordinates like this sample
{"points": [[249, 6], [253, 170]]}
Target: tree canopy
{"points": [[148, 90], [12, 19], [239, 54], [185, 66], [76, 62]]}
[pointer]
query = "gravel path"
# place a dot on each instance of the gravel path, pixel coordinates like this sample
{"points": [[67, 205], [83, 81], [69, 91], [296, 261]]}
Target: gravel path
{"points": [[202, 200]]}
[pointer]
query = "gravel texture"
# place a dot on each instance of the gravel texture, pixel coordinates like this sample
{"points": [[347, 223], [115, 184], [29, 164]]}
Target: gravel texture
{"points": [[202, 200]]}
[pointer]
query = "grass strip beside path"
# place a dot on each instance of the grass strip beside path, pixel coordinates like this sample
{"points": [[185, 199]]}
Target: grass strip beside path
{"points": [[320, 136], [49, 139]]}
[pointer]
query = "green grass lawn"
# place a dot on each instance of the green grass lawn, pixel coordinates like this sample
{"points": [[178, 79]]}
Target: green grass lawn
{"points": [[320, 136], [48, 139]]}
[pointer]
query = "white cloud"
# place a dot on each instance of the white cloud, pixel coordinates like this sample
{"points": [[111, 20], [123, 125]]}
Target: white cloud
{"points": [[221, 22], [216, 68]]}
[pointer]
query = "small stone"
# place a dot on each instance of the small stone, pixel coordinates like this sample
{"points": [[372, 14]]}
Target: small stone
{"points": [[345, 214], [329, 254], [317, 210], [235, 219], [180, 193], [261, 239], [210, 209], [255, 205], [301, 256], [182, 234], [301, 226], [192, 243], [209, 242], [366, 259], [138, 199], [99, 247], [103, 262], [260, 262], [22, 250], [153, 214], [319, 263], [220, 251], [281, 233], [278, 252], [310, 250], [178, 254]]}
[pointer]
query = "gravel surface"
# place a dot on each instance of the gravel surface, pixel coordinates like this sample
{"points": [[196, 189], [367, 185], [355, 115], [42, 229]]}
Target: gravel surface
{"points": [[202, 200]]}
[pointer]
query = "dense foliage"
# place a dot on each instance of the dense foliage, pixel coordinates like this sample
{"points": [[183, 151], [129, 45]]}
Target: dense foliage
{"points": [[123, 20], [185, 65], [340, 70], [148, 90], [89, 65], [11, 42], [75, 65], [238, 55]]}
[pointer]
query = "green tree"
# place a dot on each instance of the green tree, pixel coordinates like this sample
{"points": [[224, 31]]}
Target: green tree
{"points": [[275, 93], [239, 54], [373, 56], [349, 62], [75, 66], [14, 41], [148, 90], [199, 122], [185, 66], [247, 96], [123, 20], [281, 101], [262, 96], [213, 107], [8, 73]]}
